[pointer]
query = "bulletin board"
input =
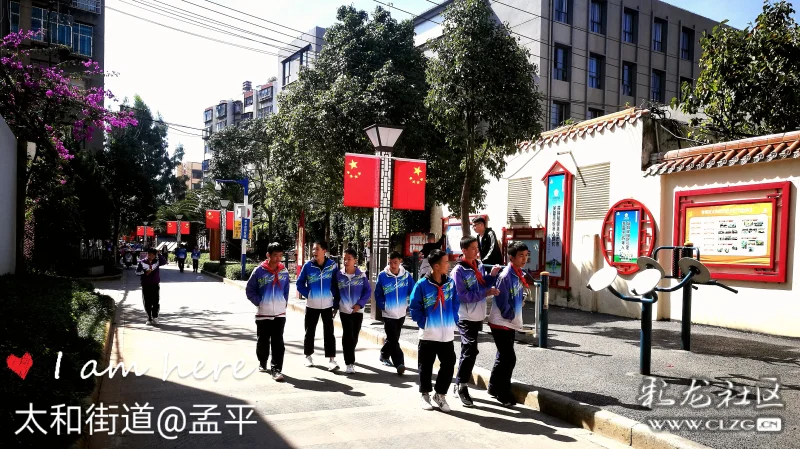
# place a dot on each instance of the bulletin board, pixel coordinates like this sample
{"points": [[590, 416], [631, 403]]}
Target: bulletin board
{"points": [[629, 232], [558, 225]]}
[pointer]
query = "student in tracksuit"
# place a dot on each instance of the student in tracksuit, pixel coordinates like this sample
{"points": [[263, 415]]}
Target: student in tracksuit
{"points": [[195, 258], [268, 289], [351, 296], [180, 256], [148, 269], [316, 283], [434, 307], [505, 319], [392, 291], [473, 287]]}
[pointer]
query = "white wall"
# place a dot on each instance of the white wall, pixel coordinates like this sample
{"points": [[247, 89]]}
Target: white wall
{"points": [[8, 194], [770, 308]]}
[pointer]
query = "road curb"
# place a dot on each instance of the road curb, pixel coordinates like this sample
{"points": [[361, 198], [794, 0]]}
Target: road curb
{"points": [[587, 416]]}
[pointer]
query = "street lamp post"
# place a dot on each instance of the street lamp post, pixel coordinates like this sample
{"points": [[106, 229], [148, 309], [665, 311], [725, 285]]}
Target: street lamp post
{"points": [[245, 183], [223, 206], [179, 216], [145, 235], [383, 138]]}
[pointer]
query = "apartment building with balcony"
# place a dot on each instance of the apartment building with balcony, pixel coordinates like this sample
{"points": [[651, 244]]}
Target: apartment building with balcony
{"points": [[596, 57], [193, 172], [300, 53]]}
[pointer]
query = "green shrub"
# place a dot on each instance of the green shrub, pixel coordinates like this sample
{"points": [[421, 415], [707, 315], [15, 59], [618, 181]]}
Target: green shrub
{"points": [[45, 316], [212, 266], [234, 271]]}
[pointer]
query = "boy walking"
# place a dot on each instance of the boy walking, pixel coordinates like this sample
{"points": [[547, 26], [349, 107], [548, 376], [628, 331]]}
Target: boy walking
{"points": [[316, 283], [434, 307], [505, 319], [195, 258], [268, 289], [180, 256], [351, 295], [392, 292], [473, 288], [148, 270]]}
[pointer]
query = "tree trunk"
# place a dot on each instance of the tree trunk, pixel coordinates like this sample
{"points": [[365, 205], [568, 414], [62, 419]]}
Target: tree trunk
{"points": [[328, 226], [465, 203], [22, 159]]}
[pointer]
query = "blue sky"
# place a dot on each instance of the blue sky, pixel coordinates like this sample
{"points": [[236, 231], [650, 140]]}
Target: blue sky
{"points": [[739, 12]]}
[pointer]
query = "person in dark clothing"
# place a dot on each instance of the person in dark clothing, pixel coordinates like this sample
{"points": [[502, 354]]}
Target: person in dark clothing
{"points": [[195, 258], [427, 248], [148, 269], [180, 256], [487, 242]]}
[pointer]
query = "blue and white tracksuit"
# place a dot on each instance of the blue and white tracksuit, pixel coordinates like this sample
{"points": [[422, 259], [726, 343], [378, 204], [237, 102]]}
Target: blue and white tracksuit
{"points": [[507, 306], [316, 283], [436, 317], [351, 289], [269, 295], [392, 292], [471, 313]]}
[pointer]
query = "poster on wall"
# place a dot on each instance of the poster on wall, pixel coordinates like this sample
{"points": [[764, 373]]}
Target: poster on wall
{"points": [[732, 234], [626, 236], [554, 249]]}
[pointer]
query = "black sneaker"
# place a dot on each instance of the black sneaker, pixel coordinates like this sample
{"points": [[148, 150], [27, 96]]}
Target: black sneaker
{"points": [[491, 392], [262, 367], [276, 375], [463, 394], [507, 400]]}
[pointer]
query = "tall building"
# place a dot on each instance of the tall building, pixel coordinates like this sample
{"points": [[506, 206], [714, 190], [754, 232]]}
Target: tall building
{"points": [[301, 52], [76, 25], [193, 172], [595, 56]]}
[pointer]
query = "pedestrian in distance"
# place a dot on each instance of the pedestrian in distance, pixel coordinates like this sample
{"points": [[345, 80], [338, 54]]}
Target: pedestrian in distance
{"points": [[392, 292], [317, 283], [180, 256], [473, 288], [434, 307], [148, 270], [505, 319], [351, 295], [431, 245], [268, 289], [195, 258], [487, 242]]}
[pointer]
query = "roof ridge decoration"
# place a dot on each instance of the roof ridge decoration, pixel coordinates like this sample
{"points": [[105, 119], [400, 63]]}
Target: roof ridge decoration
{"points": [[587, 127], [727, 154]]}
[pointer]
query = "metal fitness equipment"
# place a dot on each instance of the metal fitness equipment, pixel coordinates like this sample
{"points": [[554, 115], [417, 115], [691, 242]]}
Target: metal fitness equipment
{"points": [[643, 285]]}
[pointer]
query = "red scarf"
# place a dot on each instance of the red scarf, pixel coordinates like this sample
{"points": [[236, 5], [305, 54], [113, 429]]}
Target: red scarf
{"points": [[478, 274], [278, 269], [521, 277], [439, 297]]}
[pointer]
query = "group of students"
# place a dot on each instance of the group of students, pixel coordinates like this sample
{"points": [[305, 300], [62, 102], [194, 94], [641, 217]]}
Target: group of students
{"points": [[441, 302]]}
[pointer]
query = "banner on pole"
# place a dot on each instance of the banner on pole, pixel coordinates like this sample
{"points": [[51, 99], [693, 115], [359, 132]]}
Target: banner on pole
{"points": [[409, 184], [172, 227], [361, 180], [212, 219]]}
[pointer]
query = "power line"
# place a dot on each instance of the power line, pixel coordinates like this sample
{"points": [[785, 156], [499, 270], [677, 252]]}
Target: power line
{"points": [[192, 34]]}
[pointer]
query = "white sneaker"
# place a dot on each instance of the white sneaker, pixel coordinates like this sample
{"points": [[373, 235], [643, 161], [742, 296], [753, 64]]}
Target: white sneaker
{"points": [[425, 402], [155, 321], [309, 361], [351, 369], [332, 365], [149, 322], [441, 401]]}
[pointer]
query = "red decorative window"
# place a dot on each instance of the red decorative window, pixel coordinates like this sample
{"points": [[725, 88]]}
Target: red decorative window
{"points": [[629, 231]]}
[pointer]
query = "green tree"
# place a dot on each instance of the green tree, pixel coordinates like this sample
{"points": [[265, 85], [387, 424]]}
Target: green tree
{"points": [[482, 97], [749, 81], [369, 71]]}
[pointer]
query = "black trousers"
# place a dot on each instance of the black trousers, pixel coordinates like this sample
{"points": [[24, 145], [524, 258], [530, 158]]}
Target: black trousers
{"points": [[351, 326], [180, 264], [391, 347], [195, 262], [151, 298], [270, 335], [428, 351], [469, 349], [504, 362], [311, 320]]}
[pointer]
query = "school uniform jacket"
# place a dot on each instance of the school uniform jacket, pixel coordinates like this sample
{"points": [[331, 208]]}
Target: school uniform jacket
{"points": [[154, 278], [269, 291], [351, 290], [471, 294], [392, 292], [437, 319], [316, 283], [507, 306]]}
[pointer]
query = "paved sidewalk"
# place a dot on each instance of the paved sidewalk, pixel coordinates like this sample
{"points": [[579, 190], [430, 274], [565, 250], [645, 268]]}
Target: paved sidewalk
{"points": [[206, 320]]}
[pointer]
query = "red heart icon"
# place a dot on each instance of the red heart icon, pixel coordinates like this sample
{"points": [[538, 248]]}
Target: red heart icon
{"points": [[20, 365]]}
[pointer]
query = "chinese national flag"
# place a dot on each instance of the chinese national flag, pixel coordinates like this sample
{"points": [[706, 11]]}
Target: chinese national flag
{"points": [[172, 227], [212, 219], [229, 220], [409, 184], [185, 227], [140, 231], [361, 181]]}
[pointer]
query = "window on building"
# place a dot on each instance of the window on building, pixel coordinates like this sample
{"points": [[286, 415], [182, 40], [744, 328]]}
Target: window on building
{"points": [[82, 39], [597, 14], [630, 26], [628, 79], [197, 185], [593, 193], [206, 134], [197, 174], [220, 126], [659, 35], [207, 115], [594, 113], [237, 107], [38, 22], [657, 82], [222, 110], [13, 16], [60, 29], [87, 5], [265, 94], [247, 116], [687, 43], [562, 10], [518, 209], [559, 112], [292, 65], [596, 64], [248, 101], [561, 63]]}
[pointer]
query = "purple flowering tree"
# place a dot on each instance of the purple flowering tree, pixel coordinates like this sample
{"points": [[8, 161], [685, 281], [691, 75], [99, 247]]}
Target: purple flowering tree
{"points": [[42, 104]]}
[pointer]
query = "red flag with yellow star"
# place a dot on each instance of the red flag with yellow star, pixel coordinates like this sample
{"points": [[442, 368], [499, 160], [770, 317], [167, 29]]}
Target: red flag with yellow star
{"points": [[361, 180], [409, 184], [212, 219], [172, 227]]}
